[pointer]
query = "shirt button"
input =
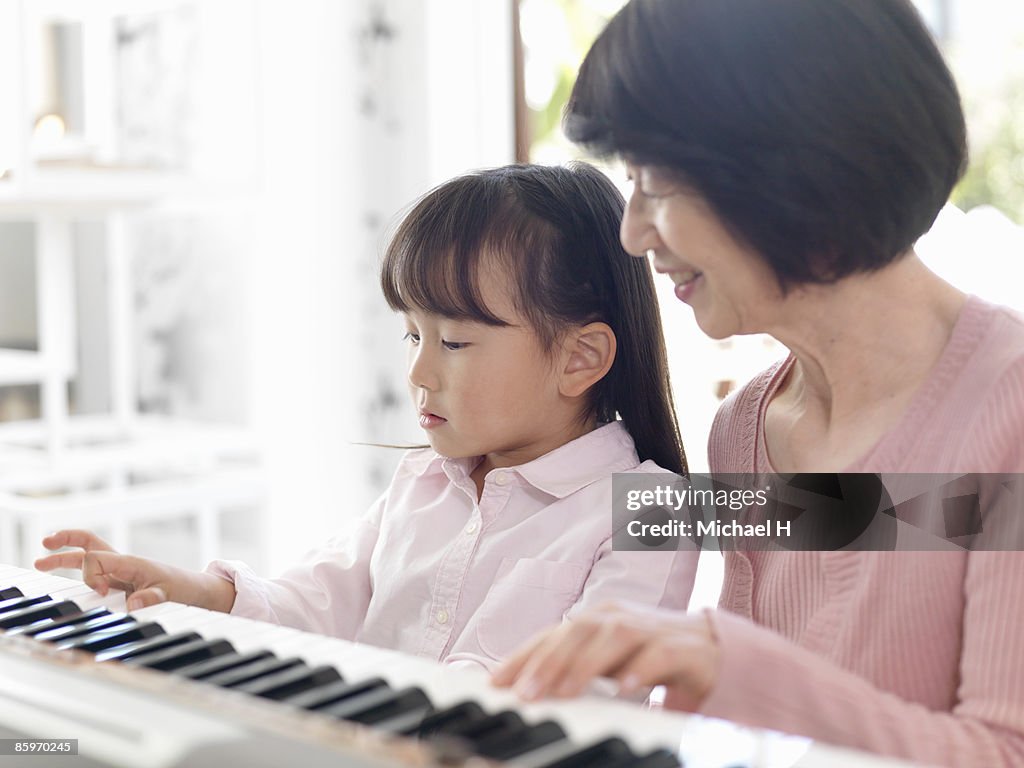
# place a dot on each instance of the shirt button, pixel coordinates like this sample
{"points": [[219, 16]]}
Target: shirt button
{"points": [[471, 528], [501, 478], [442, 616]]}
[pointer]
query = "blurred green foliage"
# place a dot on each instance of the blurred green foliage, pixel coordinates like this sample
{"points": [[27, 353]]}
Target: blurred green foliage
{"points": [[996, 173], [584, 20]]}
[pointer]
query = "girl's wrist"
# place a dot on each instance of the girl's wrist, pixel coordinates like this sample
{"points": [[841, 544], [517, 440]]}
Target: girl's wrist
{"points": [[218, 594]]}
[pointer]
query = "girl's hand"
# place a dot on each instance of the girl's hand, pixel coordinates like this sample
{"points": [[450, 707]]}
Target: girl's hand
{"points": [[146, 582], [639, 647]]}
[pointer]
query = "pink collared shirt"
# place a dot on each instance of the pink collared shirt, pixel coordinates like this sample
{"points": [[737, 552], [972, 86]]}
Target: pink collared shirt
{"points": [[431, 571]]}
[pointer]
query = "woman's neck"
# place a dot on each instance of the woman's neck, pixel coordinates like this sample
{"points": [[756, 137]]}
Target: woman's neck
{"points": [[866, 340]]}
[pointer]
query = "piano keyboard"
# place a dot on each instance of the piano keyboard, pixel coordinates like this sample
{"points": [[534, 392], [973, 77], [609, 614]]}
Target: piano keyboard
{"points": [[174, 685]]}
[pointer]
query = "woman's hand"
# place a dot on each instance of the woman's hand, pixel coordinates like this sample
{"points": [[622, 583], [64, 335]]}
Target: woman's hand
{"points": [[146, 582], [639, 647]]}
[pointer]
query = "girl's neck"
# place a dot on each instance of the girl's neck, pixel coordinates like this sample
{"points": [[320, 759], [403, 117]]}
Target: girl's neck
{"points": [[866, 338], [575, 429]]}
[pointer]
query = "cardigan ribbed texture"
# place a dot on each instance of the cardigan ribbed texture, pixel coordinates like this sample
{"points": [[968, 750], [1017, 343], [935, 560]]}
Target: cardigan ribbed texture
{"points": [[918, 655]]}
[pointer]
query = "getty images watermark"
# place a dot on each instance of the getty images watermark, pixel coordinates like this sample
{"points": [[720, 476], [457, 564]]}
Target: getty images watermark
{"points": [[911, 512]]}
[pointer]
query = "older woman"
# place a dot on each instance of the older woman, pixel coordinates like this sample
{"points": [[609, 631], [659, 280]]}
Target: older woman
{"points": [[786, 155]]}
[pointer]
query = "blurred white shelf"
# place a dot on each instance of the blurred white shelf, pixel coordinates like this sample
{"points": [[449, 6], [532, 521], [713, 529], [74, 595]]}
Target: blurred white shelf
{"points": [[97, 447], [84, 192], [140, 501], [20, 367], [24, 367]]}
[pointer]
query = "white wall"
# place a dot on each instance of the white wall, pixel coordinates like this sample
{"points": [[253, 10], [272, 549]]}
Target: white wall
{"points": [[366, 105]]}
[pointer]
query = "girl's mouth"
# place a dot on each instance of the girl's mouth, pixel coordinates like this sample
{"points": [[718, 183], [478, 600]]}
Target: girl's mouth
{"points": [[431, 420]]}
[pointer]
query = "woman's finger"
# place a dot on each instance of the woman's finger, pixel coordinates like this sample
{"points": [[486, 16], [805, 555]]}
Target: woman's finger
{"points": [[508, 672], [660, 663], [683, 656], [76, 537], [608, 650], [546, 666]]}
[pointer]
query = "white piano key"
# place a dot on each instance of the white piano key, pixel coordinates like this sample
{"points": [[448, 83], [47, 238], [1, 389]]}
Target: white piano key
{"points": [[246, 635], [11, 572], [32, 583], [191, 618], [158, 611]]}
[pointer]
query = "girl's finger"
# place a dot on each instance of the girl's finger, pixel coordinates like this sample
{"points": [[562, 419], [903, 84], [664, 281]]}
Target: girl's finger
{"points": [[76, 537], [103, 570], [145, 598], [60, 560]]}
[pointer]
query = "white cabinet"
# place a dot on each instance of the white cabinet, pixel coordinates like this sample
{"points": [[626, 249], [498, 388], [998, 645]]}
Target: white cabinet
{"points": [[111, 111]]}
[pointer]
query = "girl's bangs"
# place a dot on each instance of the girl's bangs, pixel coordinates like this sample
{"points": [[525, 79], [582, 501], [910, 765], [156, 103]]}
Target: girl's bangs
{"points": [[434, 260]]}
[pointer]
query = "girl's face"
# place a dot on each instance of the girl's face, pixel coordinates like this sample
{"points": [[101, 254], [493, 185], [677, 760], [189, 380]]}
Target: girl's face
{"points": [[483, 390], [730, 288]]}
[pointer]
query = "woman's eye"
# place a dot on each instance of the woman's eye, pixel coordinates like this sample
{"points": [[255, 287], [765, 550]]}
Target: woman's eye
{"points": [[646, 186], [412, 337], [453, 345], [651, 190]]}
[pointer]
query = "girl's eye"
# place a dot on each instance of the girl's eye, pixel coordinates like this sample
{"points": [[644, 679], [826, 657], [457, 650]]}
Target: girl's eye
{"points": [[453, 345], [411, 337]]}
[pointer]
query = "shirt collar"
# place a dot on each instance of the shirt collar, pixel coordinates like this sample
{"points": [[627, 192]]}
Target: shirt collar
{"points": [[582, 461]]}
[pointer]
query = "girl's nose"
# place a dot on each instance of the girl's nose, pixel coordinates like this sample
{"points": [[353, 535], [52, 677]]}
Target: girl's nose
{"points": [[421, 374]]}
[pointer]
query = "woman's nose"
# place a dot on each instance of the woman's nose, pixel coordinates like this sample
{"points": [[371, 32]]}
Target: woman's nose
{"points": [[636, 233]]}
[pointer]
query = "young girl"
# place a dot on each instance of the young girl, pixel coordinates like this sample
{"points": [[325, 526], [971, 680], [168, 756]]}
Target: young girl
{"points": [[537, 365]]}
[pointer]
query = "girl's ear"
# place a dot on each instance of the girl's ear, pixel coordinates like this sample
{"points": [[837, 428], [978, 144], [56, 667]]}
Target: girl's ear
{"points": [[587, 355]]}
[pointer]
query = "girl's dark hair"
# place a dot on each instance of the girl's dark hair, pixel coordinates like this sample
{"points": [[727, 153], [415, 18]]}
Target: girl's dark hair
{"points": [[825, 134], [555, 232]]}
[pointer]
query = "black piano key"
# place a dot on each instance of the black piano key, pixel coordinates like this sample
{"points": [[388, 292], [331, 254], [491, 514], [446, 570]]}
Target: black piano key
{"points": [[659, 758], [8, 593], [52, 610], [503, 722], [453, 716], [405, 723], [204, 669], [603, 754], [334, 692], [84, 628], [48, 624], [291, 682], [158, 643], [168, 659], [241, 675], [17, 603], [505, 746], [109, 638], [378, 704]]}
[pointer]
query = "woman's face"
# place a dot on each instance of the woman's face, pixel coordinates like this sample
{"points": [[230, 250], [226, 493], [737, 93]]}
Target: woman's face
{"points": [[730, 287]]}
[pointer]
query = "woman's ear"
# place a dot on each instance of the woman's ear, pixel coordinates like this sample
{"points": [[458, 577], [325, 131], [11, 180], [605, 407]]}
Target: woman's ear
{"points": [[587, 354]]}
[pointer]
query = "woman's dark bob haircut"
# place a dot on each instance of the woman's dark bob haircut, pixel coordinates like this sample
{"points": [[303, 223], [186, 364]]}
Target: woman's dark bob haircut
{"points": [[554, 233], [826, 134]]}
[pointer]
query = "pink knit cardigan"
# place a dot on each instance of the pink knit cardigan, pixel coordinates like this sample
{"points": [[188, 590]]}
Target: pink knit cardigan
{"points": [[918, 655]]}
